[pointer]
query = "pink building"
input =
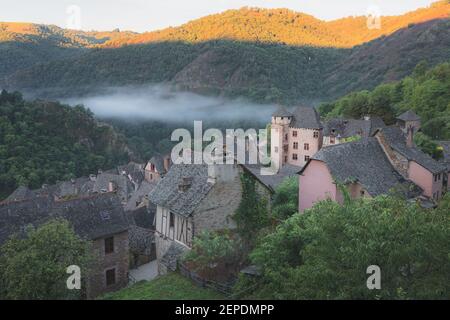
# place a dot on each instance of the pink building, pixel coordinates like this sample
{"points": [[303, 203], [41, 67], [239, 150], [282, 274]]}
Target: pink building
{"points": [[157, 167], [296, 136], [371, 167]]}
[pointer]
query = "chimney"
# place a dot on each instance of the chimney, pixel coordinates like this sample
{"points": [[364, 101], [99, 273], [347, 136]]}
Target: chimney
{"points": [[100, 171], [92, 177], [112, 187], [410, 136], [167, 163], [185, 184]]}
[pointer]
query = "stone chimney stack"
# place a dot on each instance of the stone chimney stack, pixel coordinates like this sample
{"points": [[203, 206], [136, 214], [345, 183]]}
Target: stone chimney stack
{"points": [[410, 136]]}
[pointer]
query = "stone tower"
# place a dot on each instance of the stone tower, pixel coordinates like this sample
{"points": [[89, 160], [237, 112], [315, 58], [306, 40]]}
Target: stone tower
{"points": [[281, 120]]}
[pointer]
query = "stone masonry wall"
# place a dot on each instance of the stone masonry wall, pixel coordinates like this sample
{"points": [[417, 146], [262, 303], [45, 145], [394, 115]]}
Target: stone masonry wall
{"points": [[119, 260]]}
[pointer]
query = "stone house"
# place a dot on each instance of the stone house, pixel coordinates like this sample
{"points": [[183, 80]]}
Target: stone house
{"points": [[98, 218], [295, 136], [193, 198]]}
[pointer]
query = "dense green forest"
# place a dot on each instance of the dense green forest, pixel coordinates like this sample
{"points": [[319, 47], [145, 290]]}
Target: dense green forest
{"points": [[262, 72], [42, 142], [426, 92]]}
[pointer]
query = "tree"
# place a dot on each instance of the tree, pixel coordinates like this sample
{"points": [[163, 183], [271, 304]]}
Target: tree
{"points": [[252, 214], [325, 252], [428, 146], [34, 267], [285, 201]]}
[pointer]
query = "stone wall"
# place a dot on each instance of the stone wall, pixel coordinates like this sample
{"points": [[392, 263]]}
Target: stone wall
{"points": [[119, 259], [399, 162]]}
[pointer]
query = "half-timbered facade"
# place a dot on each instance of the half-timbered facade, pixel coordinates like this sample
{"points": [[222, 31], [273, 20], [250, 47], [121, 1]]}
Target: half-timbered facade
{"points": [[194, 198]]}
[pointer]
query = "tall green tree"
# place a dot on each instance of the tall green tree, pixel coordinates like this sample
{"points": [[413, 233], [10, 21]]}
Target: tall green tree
{"points": [[35, 267], [325, 252]]}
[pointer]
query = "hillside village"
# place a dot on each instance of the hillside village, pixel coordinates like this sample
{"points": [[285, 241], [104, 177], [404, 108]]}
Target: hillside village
{"points": [[145, 216]]}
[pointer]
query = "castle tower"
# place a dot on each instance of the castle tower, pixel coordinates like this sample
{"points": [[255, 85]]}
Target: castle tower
{"points": [[279, 137]]}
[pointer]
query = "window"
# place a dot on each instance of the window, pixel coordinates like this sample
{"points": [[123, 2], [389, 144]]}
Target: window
{"points": [[316, 134], [171, 220], [110, 277], [295, 146], [332, 140], [294, 133], [294, 156], [435, 177], [276, 149], [109, 245], [362, 193], [306, 158], [286, 136], [306, 146]]}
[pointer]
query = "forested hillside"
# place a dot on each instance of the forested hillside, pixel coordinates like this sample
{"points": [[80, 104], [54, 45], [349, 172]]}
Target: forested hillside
{"points": [[426, 92], [42, 142], [264, 55], [286, 27]]}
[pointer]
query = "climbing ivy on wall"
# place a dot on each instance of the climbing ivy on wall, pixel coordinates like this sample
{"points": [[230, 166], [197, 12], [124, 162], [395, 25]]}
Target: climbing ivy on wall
{"points": [[252, 214]]}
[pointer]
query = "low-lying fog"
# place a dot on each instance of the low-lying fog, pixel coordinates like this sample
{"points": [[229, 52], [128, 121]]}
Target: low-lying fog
{"points": [[162, 104]]}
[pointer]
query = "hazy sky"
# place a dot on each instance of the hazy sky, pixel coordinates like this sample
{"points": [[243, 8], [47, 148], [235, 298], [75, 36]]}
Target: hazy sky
{"points": [[147, 15]]}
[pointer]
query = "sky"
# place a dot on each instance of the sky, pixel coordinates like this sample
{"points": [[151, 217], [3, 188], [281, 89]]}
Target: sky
{"points": [[148, 15]]}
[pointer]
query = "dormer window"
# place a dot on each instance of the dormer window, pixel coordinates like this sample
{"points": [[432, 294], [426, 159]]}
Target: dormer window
{"points": [[316, 134]]}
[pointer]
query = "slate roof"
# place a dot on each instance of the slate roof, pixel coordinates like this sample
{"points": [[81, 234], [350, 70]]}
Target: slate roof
{"points": [[137, 197], [167, 194], [133, 170], [158, 161], [409, 116], [346, 128], [364, 161], [281, 112], [21, 193], [305, 117], [91, 217], [397, 140], [140, 240], [273, 181], [172, 255], [124, 186], [143, 217], [80, 186]]}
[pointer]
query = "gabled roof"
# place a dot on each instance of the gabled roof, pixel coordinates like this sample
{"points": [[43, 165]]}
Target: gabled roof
{"points": [[167, 194], [137, 197], [91, 217], [364, 162], [158, 161], [346, 128], [397, 140], [134, 170], [21, 193], [409, 116], [273, 181], [281, 112], [305, 117], [124, 186]]}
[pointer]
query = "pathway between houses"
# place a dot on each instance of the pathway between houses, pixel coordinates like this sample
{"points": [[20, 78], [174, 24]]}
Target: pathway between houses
{"points": [[146, 272]]}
